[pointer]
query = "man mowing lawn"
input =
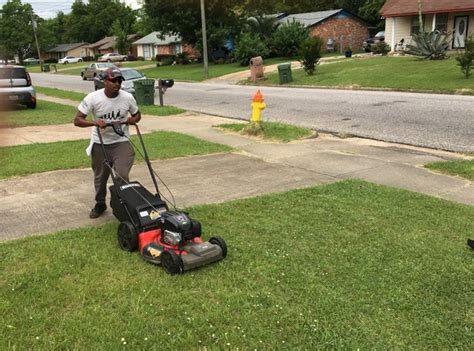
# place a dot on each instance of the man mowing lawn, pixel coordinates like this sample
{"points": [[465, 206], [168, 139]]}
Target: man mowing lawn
{"points": [[107, 105]]}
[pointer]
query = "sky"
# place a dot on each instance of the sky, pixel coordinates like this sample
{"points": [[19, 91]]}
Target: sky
{"points": [[48, 8]]}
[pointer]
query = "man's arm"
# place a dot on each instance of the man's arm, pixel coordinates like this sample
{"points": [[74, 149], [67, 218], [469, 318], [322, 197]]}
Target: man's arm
{"points": [[134, 118], [81, 121]]}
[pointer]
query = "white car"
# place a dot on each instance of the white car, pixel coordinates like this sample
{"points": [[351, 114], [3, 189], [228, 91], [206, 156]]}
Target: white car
{"points": [[31, 60], [112, 57], [70, 59]]}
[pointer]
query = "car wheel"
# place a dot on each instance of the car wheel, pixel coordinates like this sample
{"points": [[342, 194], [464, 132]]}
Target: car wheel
{"points": [[108, 60], [125, 59], [219, 241], [80, 60], [31, 105], [171, 262], [66, 62], [127, 236]]}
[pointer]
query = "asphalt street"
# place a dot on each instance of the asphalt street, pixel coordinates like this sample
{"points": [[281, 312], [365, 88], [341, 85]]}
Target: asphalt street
{"points": [[429, 120]]}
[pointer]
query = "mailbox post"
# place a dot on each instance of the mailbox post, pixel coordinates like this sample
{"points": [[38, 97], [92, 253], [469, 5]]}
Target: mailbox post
{"points": [[164, 84]]}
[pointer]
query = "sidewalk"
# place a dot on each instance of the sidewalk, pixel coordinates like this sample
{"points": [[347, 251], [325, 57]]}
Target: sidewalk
{"points": [[53, 201]]}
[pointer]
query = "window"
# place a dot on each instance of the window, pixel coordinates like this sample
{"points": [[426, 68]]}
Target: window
{"points": [[147, 50], [415, 24], [441, 23]]}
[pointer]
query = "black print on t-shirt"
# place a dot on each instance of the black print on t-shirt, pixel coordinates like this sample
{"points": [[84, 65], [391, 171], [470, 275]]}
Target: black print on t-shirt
{"points": [[111, 116]]}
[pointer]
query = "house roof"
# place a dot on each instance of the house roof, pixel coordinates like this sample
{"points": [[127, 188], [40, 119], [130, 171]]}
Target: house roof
{"points": [[310, 19], [66, 47], [396, 8], [108, 42], [155, 38], [100, 42]]}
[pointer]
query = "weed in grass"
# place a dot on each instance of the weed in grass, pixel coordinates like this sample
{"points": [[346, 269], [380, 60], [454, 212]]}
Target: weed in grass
{"points": [[344, 266]]}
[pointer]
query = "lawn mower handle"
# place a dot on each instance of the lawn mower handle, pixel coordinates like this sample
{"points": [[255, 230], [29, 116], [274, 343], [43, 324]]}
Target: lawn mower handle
{"points": [[119, 131]]}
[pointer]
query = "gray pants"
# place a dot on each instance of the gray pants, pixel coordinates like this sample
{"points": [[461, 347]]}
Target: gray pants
{"points": [[121, 156]]}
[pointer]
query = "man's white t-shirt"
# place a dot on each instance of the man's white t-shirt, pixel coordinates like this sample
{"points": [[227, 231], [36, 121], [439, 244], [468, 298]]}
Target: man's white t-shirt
{"points": [[110, 110]]}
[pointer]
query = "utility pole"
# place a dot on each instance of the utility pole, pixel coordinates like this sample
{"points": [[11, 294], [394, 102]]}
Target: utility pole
{"points": [[33, 23], [204, 41]]}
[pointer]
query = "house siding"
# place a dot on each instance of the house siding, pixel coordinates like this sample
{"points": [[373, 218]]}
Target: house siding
{"points": [[403, 27], [345, 31]]}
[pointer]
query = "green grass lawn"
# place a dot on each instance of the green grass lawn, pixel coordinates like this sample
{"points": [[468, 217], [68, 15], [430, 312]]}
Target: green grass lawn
{"points": [[462, 168], [349, 266], [46, 113], [399, 73], [193, 72], [154, 110], [272, 131], [34, 158]]}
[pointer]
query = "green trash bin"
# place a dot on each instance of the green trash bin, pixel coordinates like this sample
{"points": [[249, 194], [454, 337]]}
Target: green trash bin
{"points": [[46, 68], [144, 91], [284, 72]]}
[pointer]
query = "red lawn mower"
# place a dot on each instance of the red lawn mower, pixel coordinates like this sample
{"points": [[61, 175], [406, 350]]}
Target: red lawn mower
{"points": [[166, 237]]}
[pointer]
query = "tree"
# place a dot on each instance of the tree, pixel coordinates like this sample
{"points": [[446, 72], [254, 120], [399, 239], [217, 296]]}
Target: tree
{"points": [[310, 53], [466, 60], [183, 18], [16, 31], [93, 21], [288, 37], [121, 29], [263, 26]]}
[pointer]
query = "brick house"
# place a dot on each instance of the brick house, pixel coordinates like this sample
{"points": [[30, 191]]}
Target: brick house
{"points": [[402, 20], [345, 29], [155, 44]]}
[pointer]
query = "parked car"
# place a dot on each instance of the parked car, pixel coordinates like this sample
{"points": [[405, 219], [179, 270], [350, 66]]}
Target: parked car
{"points": [[15, 86], [129, 74], [70, 59], [94, 69], [367, 44], [31, 60], [112, 57]]}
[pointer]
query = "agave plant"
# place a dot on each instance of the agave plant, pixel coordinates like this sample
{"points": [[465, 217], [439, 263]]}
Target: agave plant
{"points": [[430, 45]]}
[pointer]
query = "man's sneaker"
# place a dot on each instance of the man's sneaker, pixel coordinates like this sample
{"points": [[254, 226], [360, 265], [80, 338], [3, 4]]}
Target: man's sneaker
{"points": [[97, 210]]}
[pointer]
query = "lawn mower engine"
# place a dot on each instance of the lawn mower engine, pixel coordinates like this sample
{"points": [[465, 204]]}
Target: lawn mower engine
{"points": [[167, 237]]}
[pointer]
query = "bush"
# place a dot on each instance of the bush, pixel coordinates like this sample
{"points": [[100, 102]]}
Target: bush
{"points": [[87, 58], [310, 53], [160, 57], [51, 60], [131, 58], [287, 39], [466, 60], [182, 58], [430, 45], [381, 48], [140, 58], [249, 46], [96, 56]]}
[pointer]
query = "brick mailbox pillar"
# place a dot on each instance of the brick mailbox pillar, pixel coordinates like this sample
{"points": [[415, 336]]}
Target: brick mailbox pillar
{"points": [[256, 69]]}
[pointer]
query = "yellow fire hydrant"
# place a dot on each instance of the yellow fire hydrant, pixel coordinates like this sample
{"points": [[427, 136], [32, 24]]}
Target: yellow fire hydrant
{"points": [[257, 106]]}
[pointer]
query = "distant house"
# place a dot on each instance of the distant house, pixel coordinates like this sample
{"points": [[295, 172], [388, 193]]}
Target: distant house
{"points": [[107, 45], [402, 20], [62, 50], [156, 43], [339, 26]]}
